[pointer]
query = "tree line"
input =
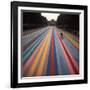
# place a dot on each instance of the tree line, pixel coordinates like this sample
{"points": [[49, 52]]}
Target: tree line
{"points": [[33, 20], [69, 22]]}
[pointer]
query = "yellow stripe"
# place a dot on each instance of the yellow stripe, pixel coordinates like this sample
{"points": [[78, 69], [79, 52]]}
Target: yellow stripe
{"points": [[33, 67], [41, 66], [70, 35], [71, 39]]}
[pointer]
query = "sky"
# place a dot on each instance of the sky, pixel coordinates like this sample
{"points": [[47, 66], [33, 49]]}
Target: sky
{"points": [[50, 16]]}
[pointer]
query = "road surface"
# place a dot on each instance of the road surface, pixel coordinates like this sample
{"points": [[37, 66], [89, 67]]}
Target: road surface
{"points": [[45, 52]]}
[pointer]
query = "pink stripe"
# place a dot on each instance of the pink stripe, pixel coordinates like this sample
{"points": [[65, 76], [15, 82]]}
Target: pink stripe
{"points": [[72, 64], [30, 60]]}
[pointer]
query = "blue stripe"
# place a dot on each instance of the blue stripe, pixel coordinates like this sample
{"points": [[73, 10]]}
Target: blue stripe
{"points": [[55, 57], [27, 53], [72, 49], [63, 65], [48, 64]]}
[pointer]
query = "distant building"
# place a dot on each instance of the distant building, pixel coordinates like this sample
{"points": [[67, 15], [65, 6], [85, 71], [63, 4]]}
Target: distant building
{"points": [[52, 23]]}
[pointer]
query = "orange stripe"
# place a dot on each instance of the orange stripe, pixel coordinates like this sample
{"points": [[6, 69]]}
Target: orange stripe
{"points": [[32, 68], [31, 58], [40, 69]]}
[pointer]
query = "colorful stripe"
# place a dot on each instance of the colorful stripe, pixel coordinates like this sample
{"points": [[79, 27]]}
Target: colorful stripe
{"points": [[46, 53]]}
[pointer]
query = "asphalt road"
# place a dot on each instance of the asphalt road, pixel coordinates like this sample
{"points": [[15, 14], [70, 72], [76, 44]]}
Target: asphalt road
{"points": [[45, 52]]}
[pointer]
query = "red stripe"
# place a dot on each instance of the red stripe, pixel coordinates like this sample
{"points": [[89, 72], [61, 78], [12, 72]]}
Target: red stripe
{"points": [[70, 60], [52, 66]]}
